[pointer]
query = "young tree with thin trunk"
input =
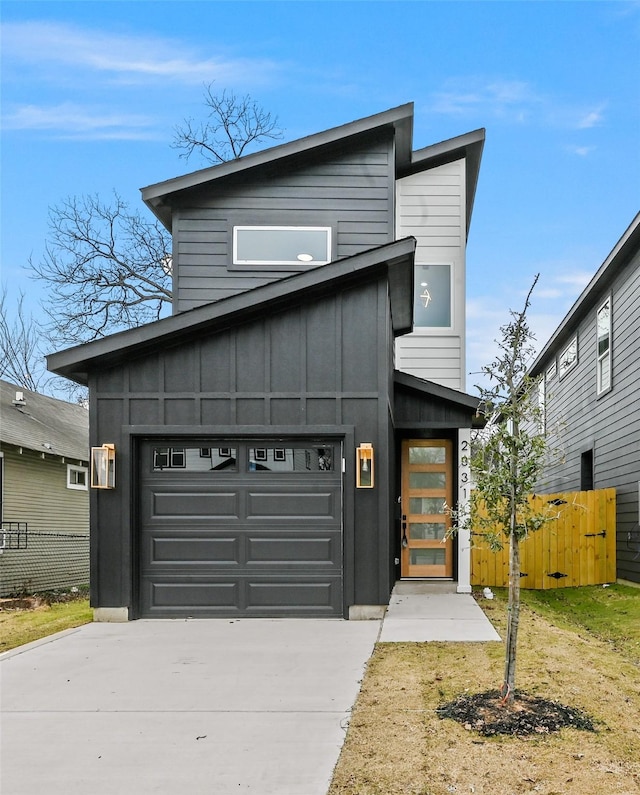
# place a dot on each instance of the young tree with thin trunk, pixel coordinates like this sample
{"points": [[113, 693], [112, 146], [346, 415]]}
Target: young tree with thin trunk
{"points": [[508, 463]]}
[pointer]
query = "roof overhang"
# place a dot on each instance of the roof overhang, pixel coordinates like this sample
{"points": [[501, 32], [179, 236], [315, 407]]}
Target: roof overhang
{"points": [[432, 405], [468, 147], [461, 400], [623, 251], [393, 260], [158, 196]]}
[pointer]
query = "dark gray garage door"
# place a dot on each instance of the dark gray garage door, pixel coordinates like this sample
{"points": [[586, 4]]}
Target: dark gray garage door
{"points": [[240, 528]]}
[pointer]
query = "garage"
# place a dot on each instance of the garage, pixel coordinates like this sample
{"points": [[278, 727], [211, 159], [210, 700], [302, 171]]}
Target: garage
{"points": [[240, 527]]}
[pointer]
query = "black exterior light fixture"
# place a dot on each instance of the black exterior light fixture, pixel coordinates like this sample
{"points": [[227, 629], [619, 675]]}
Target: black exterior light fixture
{"points": [[103, 467], [364, 466]]}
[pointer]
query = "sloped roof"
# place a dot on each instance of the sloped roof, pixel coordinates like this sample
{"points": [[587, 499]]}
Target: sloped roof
{"points": [[43, 424], [621, 254], [394, 259], [400, 119], [424, 404]]}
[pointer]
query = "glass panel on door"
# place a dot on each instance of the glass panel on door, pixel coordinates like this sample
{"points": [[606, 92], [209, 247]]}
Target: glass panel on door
{"points": [[427, 551]]}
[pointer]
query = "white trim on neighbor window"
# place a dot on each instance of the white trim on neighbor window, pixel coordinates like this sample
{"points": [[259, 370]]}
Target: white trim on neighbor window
{"points": [[603, 346], [77, 477], [568, 359], [282, 245]]}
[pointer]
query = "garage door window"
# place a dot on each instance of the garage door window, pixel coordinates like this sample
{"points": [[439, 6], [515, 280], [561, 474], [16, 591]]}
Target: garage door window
{"points": [[291, 459], [195, 459]]}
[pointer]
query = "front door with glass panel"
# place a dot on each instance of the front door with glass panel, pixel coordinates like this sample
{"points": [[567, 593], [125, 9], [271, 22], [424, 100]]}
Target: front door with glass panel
{"points": [[427, 551]]}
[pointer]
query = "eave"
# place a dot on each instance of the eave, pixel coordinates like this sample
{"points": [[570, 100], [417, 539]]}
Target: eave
{"points": [[395, 260], [158, 196], [468, 147], [622, 253]]}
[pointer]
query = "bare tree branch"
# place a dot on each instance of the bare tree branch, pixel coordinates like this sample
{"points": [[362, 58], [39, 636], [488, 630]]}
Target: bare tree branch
{"points": [[105, 268], [21, 360], [233, 124]]}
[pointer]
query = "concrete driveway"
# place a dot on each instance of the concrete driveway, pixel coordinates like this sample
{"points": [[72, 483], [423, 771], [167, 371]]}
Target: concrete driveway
{"points": [[205, 706]]}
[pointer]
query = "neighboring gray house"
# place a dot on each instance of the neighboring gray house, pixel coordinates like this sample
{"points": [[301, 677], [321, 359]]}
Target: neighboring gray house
{"points": [[44, 492], [591, 394], [287, 441]]}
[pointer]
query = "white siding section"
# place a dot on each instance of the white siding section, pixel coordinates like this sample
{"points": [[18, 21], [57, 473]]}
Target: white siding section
{"points": [[430, 206]]}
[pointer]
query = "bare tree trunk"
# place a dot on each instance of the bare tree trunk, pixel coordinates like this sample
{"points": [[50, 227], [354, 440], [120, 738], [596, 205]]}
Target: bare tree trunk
{"points": [[513, 621]]}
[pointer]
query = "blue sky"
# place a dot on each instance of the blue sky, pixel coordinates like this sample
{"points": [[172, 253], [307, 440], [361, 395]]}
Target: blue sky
{"points": [[92, 90]]}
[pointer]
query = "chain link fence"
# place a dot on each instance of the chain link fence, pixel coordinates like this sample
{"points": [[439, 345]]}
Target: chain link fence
{"points": [[32, 561]]}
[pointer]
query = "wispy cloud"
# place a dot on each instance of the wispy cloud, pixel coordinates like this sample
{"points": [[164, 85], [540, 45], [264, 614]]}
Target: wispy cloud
{"points": [[505, 98], [591, 118], [126, 58], [76, 121], [581, 151], [560, 284], [513, 101]]}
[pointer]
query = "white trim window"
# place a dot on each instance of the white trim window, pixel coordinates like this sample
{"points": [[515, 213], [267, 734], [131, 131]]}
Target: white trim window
{"points": [[281, 245], [77, 477], [603, 328], [542, 406], [569, 357], [432, 303]]}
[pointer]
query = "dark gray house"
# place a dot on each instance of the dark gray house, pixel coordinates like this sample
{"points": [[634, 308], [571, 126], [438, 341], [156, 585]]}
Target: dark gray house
{"points": [[589, 389], [270, 457]]}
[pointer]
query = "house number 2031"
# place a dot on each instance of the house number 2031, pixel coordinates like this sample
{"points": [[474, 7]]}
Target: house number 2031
{"points": [[464, 465]]}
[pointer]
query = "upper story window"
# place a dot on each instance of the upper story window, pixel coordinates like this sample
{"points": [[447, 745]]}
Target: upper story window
{"points": [[432, 299], [77, 477], [603, 325], [551, 371], [568, 359], [281, 245]]}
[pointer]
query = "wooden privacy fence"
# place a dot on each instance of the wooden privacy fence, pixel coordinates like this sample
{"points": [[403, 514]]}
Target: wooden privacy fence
{"points": [[576, 547]]}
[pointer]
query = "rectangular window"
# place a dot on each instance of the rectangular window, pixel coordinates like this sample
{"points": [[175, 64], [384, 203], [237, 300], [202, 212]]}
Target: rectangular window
{"points": [[542, 406], [568, 358], [77, 477], [281, 245], [194, 459], [603, 323], [432, 297], [291, 459], [586, 470]]}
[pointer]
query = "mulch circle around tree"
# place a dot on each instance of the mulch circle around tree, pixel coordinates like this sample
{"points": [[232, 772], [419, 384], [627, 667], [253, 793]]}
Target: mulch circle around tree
{"points": [[487, 714]]}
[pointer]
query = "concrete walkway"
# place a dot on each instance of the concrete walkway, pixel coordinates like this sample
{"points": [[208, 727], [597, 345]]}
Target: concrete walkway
{"points": [[428, 611], [204, 707]]}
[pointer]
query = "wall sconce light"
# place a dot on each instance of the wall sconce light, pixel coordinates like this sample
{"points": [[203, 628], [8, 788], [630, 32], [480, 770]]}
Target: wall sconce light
{"points": [[103, 467], [364, 466]]}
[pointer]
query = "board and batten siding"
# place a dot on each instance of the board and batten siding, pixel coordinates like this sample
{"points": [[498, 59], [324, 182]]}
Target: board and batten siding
{"points": [[430, 206], [578, 420], [351, 190], [298, 369]]}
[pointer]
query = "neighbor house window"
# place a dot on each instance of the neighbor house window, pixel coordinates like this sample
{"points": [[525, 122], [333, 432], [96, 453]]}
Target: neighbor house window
{"points": [[432, 297], [281, 245], [542, 406], [603, 323], [586, 470], [568, 359], [551, 371], [77, 477]]}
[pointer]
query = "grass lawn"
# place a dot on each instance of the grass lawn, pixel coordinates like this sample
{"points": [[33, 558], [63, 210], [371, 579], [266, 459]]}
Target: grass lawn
{"points": [[22, 626], [578, 646]]}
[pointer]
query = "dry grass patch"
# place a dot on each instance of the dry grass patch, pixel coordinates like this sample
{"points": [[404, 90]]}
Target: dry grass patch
{"points": [[40, 619], [396, 742]]}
